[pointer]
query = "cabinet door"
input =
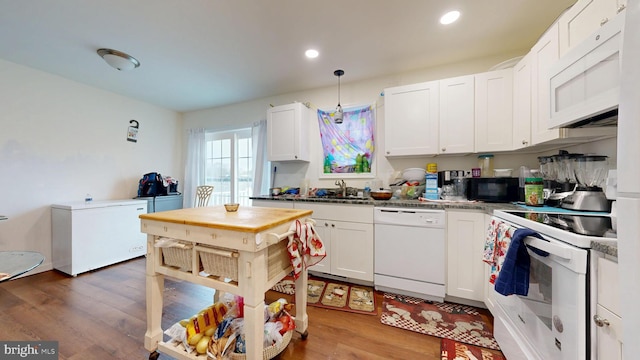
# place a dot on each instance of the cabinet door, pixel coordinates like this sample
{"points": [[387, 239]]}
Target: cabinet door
{"points": [[352, 247], [287, 133], [456, 118], [544, 54], [609, 335], [494, 110], [273, 204], [323, 228], [583, 18], [411, 119], [522, 103], [465, 244]]}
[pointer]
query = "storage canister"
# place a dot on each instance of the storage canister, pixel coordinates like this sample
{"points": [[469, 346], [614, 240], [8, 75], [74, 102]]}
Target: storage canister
{"points": [[533, 192], [485, 163]]}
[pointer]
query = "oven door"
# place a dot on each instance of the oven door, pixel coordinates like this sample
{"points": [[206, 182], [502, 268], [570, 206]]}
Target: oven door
{"points": [[552, 319]]}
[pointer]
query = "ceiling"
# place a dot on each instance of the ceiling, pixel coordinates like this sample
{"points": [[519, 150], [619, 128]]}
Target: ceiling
{"points": [[199, 54]]}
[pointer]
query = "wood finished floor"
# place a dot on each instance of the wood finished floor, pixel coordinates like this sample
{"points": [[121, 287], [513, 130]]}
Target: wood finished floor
{"points": [[101, 315]]}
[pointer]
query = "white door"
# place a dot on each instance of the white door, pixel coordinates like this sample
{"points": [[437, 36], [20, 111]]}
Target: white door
{"points": [[457, 115], [544, 54], [352, 246], [522, 103], [494, 110], [323, 228], [411, 119]]}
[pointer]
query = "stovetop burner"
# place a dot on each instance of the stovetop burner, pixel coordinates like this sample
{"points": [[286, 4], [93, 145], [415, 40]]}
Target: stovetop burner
{"points": [[589, 225]]}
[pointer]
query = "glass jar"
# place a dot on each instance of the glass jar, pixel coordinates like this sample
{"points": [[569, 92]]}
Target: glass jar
{"points": [[534, 191], [485, 163]]}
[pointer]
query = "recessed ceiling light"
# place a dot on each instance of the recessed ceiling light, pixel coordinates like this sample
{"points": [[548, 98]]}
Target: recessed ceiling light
{"points": [[449, 17], [311, 53]]}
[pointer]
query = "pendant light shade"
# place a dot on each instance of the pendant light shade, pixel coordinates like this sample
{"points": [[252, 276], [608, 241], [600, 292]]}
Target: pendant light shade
{"points": [[337, 118], [118, 60]]}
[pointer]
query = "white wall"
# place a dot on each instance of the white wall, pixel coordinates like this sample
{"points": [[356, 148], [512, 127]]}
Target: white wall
{"points": [[60, 140], [352, 94]]}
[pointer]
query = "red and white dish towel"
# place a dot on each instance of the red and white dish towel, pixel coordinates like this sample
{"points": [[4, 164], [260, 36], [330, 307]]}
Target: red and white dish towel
{"points": [[305, 247], [496, 245]]}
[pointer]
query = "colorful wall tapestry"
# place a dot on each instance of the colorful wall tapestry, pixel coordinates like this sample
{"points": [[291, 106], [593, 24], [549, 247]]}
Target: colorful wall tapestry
{"points": [[348, 147]]}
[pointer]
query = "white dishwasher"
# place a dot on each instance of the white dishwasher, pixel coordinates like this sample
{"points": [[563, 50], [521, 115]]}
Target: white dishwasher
{"points": [[410, 252]]}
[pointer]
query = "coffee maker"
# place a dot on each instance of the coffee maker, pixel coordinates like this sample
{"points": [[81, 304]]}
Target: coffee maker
{"points": [[591, 173]]}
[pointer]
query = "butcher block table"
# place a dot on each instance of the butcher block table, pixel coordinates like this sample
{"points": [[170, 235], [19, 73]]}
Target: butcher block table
{"points": [[255, 237]]}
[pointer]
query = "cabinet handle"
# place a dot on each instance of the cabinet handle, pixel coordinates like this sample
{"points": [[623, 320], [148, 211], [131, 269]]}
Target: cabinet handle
{"points": [[295, 156], [388, 152], [325, 224], [524, 142], [444, 149], [165, 228], [333, 225], [600, 322], [621, 7], [602, 22]]}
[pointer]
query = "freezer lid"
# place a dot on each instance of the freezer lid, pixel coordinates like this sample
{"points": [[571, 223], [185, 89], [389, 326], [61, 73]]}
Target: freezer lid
{"points": [[81, 205]]}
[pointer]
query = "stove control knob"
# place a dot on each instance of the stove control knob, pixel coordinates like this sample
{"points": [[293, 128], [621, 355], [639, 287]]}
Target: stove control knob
{"points": [[600, 322]]}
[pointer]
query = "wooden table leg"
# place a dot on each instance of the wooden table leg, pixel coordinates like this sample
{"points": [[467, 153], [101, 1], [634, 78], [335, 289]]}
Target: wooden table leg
{"points": [[154, 289], [302, 321]]}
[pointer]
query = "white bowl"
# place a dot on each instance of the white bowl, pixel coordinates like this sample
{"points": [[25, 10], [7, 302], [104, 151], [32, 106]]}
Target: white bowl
{"points": [[414, 174], [502, 172]]}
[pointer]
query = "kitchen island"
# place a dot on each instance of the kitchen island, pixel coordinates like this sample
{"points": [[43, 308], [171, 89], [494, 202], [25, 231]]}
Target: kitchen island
{"points": [[255, 239]]}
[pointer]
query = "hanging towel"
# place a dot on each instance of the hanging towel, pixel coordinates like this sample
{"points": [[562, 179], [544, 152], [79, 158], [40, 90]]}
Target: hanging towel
{"points": [[514, 275], [305, 247], [496, 244]]}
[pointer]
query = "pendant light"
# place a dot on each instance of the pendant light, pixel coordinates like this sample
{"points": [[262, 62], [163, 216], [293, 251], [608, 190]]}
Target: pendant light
{"points": [[337, 118]]}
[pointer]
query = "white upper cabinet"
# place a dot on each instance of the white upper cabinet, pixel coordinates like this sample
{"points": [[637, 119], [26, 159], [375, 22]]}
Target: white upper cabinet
{"points": [[522, 103], [457, 115], [288, 132], [543, 54], [411, 119], [583, 18], [494, 110]]}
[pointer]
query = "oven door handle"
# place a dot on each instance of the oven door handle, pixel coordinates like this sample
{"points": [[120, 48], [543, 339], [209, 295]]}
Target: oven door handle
{"points": [[546, 246]]}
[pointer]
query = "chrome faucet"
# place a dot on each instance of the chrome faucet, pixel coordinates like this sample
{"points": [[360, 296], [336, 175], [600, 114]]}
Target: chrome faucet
{"points": [[343, 187]]}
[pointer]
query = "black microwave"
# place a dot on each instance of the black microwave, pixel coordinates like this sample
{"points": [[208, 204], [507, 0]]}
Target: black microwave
{"points": [[495, 189]]}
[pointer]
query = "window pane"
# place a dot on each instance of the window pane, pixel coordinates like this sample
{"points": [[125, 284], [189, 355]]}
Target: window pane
{"points": [[244, 149], [226, 148]]}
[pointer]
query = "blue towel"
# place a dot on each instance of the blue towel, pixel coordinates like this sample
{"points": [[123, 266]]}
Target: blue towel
{"points": [[514, 274]]}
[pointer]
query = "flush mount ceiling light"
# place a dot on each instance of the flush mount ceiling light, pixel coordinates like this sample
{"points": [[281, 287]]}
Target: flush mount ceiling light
{"points": [[311, 53], [449, 17], [337, 118], [118, 60]]}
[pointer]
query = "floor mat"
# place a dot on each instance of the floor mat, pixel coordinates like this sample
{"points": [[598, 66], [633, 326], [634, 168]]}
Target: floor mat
{"points": [[333, 295], [453, 350], [446, 320]]}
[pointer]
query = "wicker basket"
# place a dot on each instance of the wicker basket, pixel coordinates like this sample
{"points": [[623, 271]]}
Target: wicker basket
{"points": [[219, 262], [178, 257], [270, 351]]}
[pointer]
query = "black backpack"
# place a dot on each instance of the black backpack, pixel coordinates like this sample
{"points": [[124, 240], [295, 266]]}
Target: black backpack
{"points": [[151, 185]]}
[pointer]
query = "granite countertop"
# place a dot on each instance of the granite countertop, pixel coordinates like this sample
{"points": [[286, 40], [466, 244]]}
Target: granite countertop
{"points": [[443, 205], [606, 247]]}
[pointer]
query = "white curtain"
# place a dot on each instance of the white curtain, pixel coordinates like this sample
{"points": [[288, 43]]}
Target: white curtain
{"points": [[261, 165], [194, 170]]}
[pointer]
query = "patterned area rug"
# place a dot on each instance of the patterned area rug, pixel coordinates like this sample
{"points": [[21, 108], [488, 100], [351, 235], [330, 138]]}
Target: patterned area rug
{"points": [[453, 350], [446, 320], [333, 295]]}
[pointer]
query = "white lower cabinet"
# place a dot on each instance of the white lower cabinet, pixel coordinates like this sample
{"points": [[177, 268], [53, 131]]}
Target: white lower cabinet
{"points": [[465, 243], [607, 318], [273, 204], [347, 232], [90, 236]]}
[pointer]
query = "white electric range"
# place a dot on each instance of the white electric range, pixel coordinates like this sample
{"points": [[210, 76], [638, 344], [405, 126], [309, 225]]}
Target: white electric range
{"points": [[553, 320]]}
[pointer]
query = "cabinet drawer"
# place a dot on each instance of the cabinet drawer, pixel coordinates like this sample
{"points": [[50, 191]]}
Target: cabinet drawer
{"points": [[163, 229], [339, 212], [608, 285]]}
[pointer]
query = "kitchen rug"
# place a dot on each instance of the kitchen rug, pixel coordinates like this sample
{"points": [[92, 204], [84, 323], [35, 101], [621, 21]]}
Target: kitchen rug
{"points": [[453, 350], [445, 320], [333, 295]]}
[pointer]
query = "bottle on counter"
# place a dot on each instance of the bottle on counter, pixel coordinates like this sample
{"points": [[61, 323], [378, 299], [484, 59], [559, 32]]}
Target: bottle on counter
{"points": [[485, 163]]}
